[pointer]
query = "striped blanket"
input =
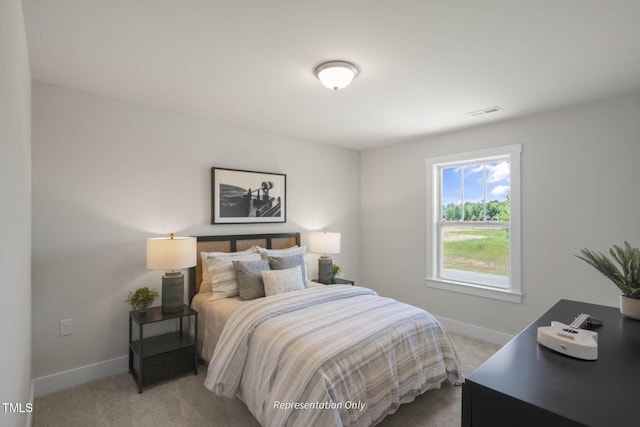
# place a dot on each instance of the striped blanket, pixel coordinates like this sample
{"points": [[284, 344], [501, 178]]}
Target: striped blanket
{"points": [[329, 356]]}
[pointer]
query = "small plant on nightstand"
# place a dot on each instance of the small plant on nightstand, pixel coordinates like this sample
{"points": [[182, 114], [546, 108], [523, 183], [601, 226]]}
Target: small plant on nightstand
{"points": [[335, 270], [142, 298]]}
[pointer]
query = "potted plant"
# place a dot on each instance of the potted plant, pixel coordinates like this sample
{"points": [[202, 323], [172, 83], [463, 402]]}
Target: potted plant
{"points": [[335, 270], [142, 298], [626, 277]]}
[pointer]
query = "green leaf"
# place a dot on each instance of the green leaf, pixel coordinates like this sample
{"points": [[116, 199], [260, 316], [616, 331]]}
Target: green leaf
{"points": [[627, 276]]}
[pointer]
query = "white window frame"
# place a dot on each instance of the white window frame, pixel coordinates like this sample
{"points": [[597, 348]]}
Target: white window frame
{"points": [[434, 165]]}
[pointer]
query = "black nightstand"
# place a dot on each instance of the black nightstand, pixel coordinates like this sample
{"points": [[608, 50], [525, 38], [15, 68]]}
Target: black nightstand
{"points": [[339, 281], [161, 357]]}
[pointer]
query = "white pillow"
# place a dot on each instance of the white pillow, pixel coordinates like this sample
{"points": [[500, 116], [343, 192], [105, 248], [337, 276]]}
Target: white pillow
{"points": [[223, 274], [281, 281], [294, 250], [205, 285]]}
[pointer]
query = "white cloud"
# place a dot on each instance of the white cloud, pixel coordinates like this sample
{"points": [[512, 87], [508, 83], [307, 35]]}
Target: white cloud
{"points": [[500, 190], [479, 168], [498, 172]]}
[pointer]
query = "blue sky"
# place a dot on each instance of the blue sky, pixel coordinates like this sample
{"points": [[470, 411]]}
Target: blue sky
{"points": [[497, 182]]}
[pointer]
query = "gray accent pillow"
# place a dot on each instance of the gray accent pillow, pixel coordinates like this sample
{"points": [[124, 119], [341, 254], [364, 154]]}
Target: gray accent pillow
{"points": [[250, 284], [289, 261]]}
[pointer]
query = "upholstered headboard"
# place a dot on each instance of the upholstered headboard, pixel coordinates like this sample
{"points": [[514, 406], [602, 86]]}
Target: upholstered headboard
{"points": [[233, 243]]}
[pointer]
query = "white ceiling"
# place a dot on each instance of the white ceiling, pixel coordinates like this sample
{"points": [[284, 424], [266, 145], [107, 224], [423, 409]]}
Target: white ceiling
{"points": [[424, 63]]}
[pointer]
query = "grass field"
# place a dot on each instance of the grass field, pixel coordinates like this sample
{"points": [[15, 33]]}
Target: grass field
{"points": [[479, 250]]}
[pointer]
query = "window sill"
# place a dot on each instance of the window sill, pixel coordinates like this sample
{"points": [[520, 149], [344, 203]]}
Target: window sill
{"points": [[477, 290]]}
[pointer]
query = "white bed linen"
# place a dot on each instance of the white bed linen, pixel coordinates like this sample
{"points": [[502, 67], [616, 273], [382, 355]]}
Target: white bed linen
{"points": [[212, 316], [341, 344]]}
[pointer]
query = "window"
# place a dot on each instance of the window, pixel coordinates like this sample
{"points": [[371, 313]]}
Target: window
{"points": [[473, 223]]}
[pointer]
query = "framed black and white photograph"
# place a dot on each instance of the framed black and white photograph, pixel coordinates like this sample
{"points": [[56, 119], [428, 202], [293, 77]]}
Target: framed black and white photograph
{"points": [[246, 197]]}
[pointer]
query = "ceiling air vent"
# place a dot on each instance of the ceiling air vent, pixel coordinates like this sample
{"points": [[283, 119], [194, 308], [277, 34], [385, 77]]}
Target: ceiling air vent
{"points": [[485, 111]]}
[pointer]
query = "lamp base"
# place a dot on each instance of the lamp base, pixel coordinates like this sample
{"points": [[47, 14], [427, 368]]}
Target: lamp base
{"points": [[172, 291], [324, 270]]}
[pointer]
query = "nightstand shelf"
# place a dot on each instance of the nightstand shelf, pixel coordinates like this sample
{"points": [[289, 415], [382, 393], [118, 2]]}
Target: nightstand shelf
{"points": [[163, 343], [338, 281], [164, 356]]}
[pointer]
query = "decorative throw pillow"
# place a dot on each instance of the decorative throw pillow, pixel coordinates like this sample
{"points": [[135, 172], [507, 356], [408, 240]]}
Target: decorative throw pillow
{"points": [[289, 261], [250, 284], [205, 285], [223, 275], [281, 281]]}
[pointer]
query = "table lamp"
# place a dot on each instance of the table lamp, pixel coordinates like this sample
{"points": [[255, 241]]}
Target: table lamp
{"points": [[324, 243], [171, 253]]}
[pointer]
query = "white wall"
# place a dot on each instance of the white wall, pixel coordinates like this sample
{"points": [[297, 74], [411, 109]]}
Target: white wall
{"points": [[580, 180], [15, 212], [108, 174]]}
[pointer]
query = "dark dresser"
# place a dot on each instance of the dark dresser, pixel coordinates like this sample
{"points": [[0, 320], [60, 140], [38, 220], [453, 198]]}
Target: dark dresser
{"points": [[526, 384]]}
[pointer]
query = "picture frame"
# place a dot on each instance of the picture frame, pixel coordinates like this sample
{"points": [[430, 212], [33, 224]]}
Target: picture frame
{"points": [[247, 197]]}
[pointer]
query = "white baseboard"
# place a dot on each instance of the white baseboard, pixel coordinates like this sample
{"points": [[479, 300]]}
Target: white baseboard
{"points": [[474, 331], [84, 374]]}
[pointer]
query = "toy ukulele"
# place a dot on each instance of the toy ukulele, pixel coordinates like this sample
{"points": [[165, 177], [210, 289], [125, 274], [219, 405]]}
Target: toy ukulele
{"points": [[571, 339]]}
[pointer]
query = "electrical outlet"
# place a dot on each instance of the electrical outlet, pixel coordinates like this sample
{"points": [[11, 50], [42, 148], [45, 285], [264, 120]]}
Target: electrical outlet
{"points": [[66, 327]]}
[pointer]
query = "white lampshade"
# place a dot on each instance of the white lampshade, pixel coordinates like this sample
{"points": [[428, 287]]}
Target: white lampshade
{"points": [[323, 242], [336, 74], [171, 253]]}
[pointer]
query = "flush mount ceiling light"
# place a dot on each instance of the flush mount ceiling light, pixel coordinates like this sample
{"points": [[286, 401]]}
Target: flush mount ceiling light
{"points": [[336, 74]]}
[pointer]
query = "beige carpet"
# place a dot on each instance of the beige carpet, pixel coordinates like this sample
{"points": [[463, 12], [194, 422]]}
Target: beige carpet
{"points": [[114, 401]]}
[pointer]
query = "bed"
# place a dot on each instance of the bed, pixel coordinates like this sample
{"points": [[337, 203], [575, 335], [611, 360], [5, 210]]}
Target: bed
{"points": [[320, 355]]}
